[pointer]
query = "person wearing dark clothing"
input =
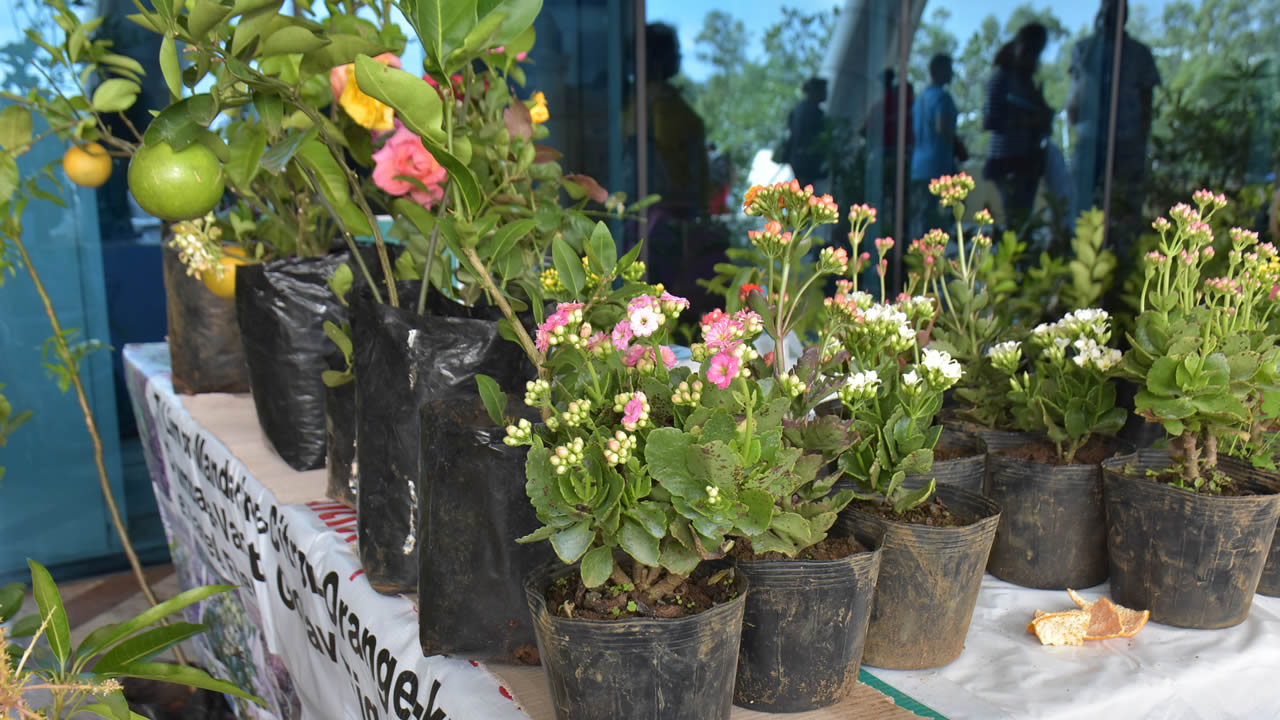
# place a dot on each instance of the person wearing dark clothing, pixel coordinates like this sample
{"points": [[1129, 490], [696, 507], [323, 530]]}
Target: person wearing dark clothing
{"points": [[1019, 119], [934, 154], [1089, 111], [804, 151]]}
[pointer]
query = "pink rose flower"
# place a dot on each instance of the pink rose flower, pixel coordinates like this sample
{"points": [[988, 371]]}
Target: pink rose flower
{"points": [[404, 155]]}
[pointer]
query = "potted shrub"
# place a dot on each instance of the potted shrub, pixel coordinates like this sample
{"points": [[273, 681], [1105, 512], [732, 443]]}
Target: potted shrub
{"points": [[893, 393], [1048, 481], [1187, 539]]}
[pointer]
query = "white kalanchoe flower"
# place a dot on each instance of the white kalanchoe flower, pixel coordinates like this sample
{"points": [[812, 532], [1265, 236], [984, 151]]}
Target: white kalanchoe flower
{"points": [[910, 379], [940, 367], [1005, 356], [645, 321]]}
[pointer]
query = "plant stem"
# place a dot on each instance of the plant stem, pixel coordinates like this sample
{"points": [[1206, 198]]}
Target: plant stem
{"points": [[496, 295], [431, 249], [104, 481]]}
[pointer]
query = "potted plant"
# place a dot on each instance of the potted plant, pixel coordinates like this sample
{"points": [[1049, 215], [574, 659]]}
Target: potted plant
{"points": [[1048, 482], [633, 585], [1186, 538], [811, 591], [894, 392]]}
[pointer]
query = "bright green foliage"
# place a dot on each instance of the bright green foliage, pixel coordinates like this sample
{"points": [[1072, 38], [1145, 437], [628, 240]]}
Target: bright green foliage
{"points": [[85, 678]]}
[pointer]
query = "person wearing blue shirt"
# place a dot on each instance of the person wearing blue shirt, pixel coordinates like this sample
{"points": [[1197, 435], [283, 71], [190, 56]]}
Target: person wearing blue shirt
{"points": [[934, 155]]}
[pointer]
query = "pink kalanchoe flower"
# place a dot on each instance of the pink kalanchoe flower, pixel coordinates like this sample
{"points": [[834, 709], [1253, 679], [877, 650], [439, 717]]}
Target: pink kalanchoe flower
{"points": [[634, 355], [622, 335], [724, 334], [634, 412], [668, 356], [645, 321], [724, 368], [596, 343]]}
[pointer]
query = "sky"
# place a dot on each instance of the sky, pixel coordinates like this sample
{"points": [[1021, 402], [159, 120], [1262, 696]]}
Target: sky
{"points": [[966, 15]]}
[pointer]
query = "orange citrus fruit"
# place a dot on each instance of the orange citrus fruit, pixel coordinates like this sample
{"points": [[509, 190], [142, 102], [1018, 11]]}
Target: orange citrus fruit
{"points": [[225, 286], [176, 185], [87, 165]]}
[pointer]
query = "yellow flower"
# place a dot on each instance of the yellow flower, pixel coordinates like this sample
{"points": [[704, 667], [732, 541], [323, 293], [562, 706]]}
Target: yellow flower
{"points": [[539, 113], [366, 111]]}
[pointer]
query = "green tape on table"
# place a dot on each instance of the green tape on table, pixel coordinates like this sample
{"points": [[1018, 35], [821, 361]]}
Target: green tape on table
{"points": [[901, 699]]}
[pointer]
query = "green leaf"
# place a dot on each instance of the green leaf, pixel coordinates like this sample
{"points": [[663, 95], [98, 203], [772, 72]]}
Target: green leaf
{"points": [[25, 626], [495, 401], [11, 598], [108, 708], [1162, 377], [480, 36], [49, 601], [442, 25], [601, 249], [910, 498], [508, 234], [8, 176], [96, 642], [248, 143], [651, 517], [416, 103], [339, 338], [115, 95], [569, 266], [665, 452], [572, 542], [170, 67], [271, 109], [204, 16], [280, 153], [638, 543], [794, 526], [459, 173], [340, 283], [290, 40], [15, 128], [146, 645], [759, 513], [677, 558], [597, 566], [164, 672], [543, 533], [326, 171]]}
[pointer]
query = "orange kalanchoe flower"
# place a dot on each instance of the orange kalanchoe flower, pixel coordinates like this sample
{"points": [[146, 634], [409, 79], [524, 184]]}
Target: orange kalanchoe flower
{"points": [[752, 192]]}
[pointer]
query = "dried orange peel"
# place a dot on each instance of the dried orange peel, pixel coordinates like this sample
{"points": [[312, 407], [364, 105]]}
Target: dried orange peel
{"points": [[1095, 620]]}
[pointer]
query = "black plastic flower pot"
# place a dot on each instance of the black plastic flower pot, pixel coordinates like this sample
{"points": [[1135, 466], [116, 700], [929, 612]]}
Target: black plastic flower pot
{"points": [[471, 599], [928, 583], [640, 668], [205, 351], [1194, 560], [403, 361], [282, 306], [340, 427], [1053, 525], [803, 630], [966, 469], [1269, 584]]}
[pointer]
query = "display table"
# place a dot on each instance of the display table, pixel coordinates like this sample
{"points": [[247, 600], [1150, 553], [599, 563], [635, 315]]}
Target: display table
{"points": [[306, 632]]}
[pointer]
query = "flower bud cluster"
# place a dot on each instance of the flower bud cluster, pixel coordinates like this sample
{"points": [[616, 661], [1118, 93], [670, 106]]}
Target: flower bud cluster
{"points": [[519, 434], [578, 412], [563, 326], [792, 385], [833, 261], [688, 392], [919, 309], [1204, 198], [771, 241], [550, 280], [931, 247], [618, 449], [537, 393], [564, 457], [634, 272], [952, 189], [983, 217], [634, 407]]}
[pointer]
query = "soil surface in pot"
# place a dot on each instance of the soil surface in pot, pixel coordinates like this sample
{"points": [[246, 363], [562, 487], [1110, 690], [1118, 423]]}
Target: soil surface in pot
{"points": [[952, 452], [932, 512], [830, 549], [1169, 476], [569, 598], [1045, 453]]}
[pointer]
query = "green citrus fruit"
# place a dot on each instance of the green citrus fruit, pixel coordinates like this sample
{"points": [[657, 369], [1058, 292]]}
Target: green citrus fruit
{"points": [[88, 165], [176, 185]]}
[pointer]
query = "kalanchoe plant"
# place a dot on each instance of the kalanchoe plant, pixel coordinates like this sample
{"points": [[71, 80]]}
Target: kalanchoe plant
{"points": [[1204, 349], [893, 391], [1067, 394], [972, 289]]}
